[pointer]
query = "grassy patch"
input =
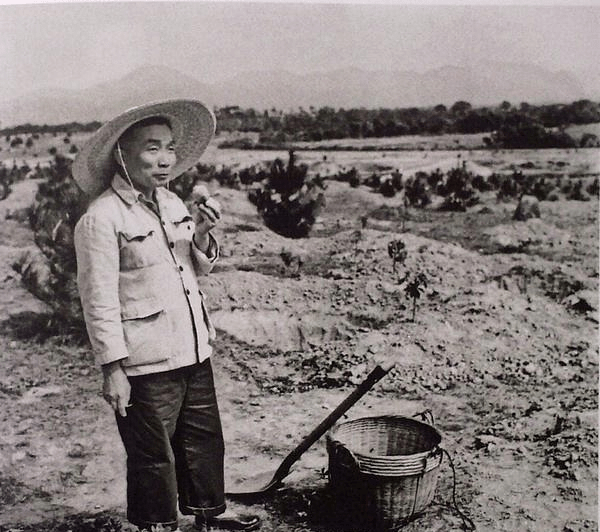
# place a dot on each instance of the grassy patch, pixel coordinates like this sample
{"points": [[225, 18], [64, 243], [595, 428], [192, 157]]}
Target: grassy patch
{"points": [[12, 491], [83, 522]]}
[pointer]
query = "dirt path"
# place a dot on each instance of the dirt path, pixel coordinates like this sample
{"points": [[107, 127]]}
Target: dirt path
{"points": [[511, 376]]}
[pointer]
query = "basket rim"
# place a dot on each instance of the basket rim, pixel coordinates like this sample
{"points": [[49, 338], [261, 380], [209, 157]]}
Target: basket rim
{"points": [[330, 436]]}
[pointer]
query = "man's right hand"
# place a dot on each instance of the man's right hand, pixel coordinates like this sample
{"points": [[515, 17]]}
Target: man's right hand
{"points": [[116, 388]]}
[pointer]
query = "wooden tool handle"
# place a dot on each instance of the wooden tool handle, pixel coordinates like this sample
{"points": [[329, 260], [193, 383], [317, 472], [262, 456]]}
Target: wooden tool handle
{"points": [[330, 420]]}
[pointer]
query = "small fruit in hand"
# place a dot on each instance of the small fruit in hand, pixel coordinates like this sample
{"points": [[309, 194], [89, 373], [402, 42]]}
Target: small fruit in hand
{"points": [[200, 194]]}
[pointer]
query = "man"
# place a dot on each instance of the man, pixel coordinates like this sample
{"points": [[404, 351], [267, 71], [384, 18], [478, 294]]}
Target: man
{"points": [[139, 252]]}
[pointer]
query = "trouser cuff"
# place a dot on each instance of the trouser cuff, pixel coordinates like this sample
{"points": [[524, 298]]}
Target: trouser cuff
{"points": [[147, 525], [205, 513]]}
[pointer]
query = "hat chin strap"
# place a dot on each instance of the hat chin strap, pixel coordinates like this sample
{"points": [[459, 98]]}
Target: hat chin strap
{"points": [[124, 166]]}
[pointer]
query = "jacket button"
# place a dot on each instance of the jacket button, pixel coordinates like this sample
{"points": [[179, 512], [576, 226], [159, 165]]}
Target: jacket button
{"points": [[180, 268], [187, 292], [172, 245]]}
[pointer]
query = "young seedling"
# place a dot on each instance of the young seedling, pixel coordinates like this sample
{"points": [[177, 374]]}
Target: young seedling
{"points": [[293, 261], [404, 209], [397, 252], [414, 289]]}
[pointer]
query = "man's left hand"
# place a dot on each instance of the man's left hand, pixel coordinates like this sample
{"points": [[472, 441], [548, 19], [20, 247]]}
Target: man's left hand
{"points": [[206, 212]]}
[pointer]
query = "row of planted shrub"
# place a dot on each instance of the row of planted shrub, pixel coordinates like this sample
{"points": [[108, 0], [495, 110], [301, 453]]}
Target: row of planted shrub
{"points": [[460, 187]]}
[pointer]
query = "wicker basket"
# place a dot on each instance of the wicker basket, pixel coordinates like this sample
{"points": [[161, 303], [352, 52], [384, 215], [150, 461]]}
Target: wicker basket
{"points": [[382, 471]]}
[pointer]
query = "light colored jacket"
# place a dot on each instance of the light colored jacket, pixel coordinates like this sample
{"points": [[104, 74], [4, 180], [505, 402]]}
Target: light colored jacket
{"points": [[137, 277]]}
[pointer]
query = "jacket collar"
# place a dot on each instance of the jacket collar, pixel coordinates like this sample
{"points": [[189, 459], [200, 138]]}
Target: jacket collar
{"points": [[124, 190], [131, 195]]}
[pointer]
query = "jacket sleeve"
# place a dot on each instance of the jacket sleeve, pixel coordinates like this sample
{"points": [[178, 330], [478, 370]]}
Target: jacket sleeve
{"points": [[97, 250], [204, 262]]}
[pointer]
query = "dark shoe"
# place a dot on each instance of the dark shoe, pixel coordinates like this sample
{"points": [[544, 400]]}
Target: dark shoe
{"points": [[235, 522]]}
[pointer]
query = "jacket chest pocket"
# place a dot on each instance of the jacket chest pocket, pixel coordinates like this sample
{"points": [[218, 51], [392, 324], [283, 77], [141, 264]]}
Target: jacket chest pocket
{"points": [[183, 230], [138, 248]]}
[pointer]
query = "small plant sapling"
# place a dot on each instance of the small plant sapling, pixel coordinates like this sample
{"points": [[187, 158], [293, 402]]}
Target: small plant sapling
{"points": [[404, 210], [356, 239], [292, 261], [414, 289], [397, 252]]}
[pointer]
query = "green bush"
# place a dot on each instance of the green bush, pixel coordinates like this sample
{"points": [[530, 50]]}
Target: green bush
{"points": [[567, 187], [435, 179], [58, 205], [397, 180], [458, 190], [577, 193], [387, 188], [417, 191], [252, 174], [227, 178], [510, 186], [373, 181], [456, 186], [8, 177], [453, 203], [288, 200], [354, 180], [481, 184], [352, 177], [5, 182], [542, 188]]}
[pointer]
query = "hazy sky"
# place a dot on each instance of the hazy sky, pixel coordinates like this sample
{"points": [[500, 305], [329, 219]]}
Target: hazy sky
{"points": [[75, 45]]}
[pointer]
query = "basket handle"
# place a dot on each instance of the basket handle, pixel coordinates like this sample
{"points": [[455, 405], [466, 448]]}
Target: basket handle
{"points": [[426, 415], [342, 455], [435, 456], [468, 524]]}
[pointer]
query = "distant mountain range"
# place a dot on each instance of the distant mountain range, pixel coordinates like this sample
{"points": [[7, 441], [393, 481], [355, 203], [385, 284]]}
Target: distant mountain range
{"points": [[484, 84]]}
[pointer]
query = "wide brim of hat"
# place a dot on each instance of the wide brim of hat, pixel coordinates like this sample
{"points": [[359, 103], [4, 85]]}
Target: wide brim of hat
{"points": [[192, 125]]}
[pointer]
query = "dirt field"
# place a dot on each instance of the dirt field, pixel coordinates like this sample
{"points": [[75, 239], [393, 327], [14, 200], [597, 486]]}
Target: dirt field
{"points": [[503, 351]]}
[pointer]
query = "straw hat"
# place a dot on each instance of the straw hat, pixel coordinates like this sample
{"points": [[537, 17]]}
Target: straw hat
{"points": [[192, 124]]}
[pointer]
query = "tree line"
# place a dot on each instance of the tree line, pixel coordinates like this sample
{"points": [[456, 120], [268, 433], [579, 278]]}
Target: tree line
{"points": [[524, 125], [509, 126], [69, 127]]}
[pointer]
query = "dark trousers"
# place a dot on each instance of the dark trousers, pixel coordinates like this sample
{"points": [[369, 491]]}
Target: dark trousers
{"points": [[174, 443]]}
